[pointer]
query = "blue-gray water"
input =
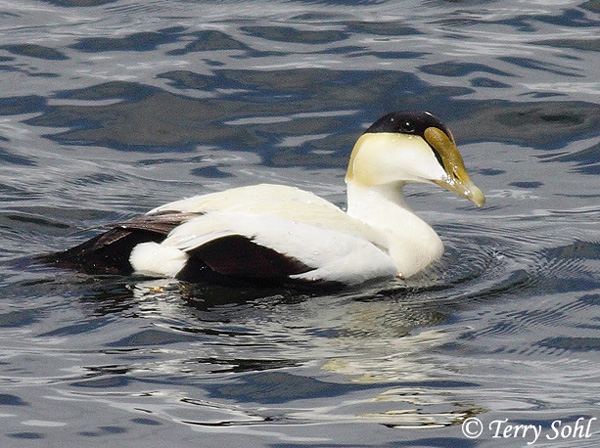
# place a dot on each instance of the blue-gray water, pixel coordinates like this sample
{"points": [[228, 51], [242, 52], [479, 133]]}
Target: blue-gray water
{"points": [[110, 108]]}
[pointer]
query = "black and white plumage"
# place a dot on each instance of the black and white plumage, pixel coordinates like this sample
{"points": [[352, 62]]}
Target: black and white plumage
{"points": [[279, 233]]}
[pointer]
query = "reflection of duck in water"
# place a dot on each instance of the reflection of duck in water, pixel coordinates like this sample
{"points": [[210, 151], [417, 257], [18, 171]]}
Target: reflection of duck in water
{"points": [[275, 232]]}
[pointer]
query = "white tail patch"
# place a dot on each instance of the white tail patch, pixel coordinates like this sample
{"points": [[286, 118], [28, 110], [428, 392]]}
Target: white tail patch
{"points": [[152, 259]]}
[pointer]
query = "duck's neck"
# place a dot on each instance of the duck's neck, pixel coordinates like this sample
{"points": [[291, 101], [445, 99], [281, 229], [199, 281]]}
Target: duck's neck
{"points": [[412, 243]]}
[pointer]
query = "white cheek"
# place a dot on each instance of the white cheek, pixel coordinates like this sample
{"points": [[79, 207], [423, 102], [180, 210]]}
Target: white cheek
{"points": [[430, 169], [417, 164]]}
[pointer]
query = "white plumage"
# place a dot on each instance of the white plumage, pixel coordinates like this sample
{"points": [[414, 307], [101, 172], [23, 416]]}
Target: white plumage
{"points": [[288, 220]]}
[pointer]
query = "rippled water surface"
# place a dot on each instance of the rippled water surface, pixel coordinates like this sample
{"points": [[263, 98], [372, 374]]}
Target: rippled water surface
{"points": [[111, 107]]}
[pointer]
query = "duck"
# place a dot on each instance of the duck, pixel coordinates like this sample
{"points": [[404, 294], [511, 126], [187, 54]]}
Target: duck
{"points": [[281, 234]]}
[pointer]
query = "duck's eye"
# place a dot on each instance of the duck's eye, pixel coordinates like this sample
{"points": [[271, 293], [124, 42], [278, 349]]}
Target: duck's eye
{"points": [[407, 126]]}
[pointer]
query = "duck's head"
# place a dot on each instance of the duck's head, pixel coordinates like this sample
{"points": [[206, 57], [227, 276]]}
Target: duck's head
{"points": [[410, 146]]}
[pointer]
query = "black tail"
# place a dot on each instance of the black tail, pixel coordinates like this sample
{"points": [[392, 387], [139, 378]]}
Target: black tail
{"points": [[108, 253]]}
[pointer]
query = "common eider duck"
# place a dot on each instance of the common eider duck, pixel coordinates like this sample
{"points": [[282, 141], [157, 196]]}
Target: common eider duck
{"points": [[277, 233]]}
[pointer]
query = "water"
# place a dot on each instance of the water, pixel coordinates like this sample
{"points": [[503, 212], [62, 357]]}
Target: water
{"points": [[110, 108]]}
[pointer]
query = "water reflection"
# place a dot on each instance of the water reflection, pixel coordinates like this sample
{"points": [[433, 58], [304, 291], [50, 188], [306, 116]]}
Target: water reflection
{"points": [[248, 354], [364, 347]]}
